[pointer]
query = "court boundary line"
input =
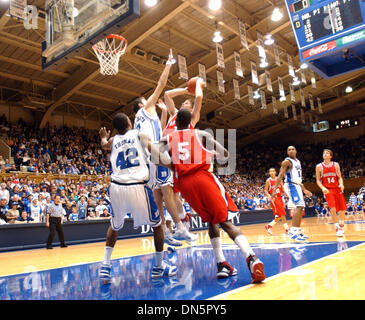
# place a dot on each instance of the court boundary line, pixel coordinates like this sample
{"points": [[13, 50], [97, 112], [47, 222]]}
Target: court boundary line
{"points": [[222, 295]]}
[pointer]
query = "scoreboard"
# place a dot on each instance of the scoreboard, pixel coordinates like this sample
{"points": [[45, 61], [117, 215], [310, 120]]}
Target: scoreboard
{"points": [[330, 34]]}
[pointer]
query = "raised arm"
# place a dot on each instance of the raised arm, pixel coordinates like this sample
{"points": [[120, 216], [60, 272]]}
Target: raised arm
{"points": [[170, 95], [163, 108], [152, 100], [106, 142], [195, 114]]}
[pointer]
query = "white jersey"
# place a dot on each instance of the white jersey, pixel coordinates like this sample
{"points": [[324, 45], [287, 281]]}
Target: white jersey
{"points": [[128, 159], [151, 125], [35, 212], [294, 174]]}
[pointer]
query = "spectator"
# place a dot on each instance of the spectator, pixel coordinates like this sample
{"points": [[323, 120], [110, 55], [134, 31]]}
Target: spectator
{"points": [[74, 215], [82, 204], [35, 211], [100, 208], [4, 192], [23, 218], [3, 210], [12, 213]]}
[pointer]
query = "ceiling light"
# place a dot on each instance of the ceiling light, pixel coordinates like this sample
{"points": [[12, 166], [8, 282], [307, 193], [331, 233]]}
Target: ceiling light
{"points": [[282, 99], [215, 4], [269, 40], [75, 12], [303, 66], [263, 63], [348, 89], [217, 37], [276, 15], [256, 95], [296, 81], [150, 3]]}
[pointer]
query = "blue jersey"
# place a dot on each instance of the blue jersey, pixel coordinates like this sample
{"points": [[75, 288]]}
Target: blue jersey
{"points": [[82, 210]]}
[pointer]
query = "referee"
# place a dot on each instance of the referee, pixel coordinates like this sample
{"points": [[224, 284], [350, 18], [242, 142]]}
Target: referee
{"points": [[54, 222]]}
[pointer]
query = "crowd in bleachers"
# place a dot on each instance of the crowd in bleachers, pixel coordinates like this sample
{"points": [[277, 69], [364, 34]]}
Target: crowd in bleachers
{"points": [[24, 200], [64, 150]]}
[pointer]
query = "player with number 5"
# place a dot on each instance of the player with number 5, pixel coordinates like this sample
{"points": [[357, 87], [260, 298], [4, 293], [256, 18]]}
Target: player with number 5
{"points": [[329, 179]]}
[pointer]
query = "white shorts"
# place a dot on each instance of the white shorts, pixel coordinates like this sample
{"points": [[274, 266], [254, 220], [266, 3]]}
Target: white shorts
{"points": [[295, 193], [159, 177], [136, 200]]}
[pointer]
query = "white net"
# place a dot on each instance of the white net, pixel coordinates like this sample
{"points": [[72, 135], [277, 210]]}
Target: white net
{"points": [[109, 50]]}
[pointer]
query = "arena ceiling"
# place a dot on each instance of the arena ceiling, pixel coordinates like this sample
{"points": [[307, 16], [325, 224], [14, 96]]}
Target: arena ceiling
{"points": [[186, 26]]}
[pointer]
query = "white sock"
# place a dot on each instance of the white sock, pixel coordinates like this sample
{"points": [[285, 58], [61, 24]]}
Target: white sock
{"points": [[182, 215], [217, 248], [107, 254], [180, 226], [243, 244], [158, 258], [272, 223], [165, 229], [286, 226]]}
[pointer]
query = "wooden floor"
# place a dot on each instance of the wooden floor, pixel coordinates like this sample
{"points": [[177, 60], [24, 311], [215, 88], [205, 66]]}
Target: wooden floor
{"points": [[337, 276]]}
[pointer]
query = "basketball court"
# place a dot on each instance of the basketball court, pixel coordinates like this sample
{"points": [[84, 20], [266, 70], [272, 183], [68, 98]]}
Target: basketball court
{"points": [[325, 268], [80, 62]]}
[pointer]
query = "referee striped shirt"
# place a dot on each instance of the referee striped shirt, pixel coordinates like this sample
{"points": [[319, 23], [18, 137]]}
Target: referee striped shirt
{"points": [[55, 211]]}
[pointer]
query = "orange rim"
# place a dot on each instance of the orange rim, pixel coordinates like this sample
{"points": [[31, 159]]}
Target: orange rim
{"points": [[113, 36]]}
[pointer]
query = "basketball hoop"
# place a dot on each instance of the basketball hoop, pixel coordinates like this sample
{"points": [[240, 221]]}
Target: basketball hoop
{"points": [[108, 52]]}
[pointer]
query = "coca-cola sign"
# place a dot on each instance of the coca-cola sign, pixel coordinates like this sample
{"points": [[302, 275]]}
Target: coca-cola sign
{"points": [[320, 49]]}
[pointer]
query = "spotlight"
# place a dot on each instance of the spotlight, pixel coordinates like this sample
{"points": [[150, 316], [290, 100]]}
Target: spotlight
{"points": [[256, 95], [263, 63], [217, 37], [75, 12], [276, 15], [269, 40], [150, 3], [348, 89], [215, 4], [296, 81]]}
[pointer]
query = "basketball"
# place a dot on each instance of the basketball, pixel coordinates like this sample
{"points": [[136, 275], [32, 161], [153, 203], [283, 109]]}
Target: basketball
{"points": [[192, 85]]}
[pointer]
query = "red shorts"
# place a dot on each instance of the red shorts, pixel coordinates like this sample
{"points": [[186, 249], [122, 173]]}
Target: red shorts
{"points": [[206, 195], [278, 207], [336, 199]]}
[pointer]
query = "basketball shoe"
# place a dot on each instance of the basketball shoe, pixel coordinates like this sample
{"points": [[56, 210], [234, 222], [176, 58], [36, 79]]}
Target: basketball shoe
{"points": [[105, 272], [171, 241], [165, 270], [256, 268], [268, 229], [225, 270], [184, 234]]}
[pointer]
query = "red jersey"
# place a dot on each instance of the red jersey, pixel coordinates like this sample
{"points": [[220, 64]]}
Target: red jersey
{"points": [[329, 177], [279, 190], [187, 152], [171, 125]]}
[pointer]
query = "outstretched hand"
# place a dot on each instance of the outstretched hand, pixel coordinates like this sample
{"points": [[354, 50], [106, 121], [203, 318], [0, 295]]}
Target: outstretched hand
{"points": [[161, 104], [104, 134]]}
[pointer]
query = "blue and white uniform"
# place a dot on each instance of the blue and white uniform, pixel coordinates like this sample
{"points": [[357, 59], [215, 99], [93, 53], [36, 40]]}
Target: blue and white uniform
{"points": [[159, 176], [128, 192], [293, 180]]}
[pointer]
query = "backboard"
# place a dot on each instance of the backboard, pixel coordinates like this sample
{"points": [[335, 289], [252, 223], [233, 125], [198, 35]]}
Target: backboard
{"points": [[76, 25]]}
